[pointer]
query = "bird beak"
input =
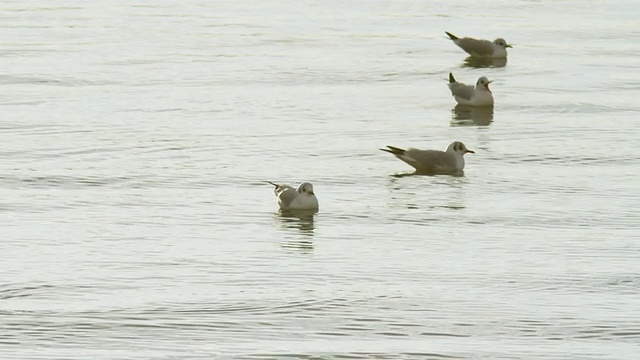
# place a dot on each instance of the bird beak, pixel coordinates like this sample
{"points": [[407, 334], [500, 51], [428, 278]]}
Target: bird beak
{"points": [[508, 46], [489, 82], [311, 193], [470, 151]]}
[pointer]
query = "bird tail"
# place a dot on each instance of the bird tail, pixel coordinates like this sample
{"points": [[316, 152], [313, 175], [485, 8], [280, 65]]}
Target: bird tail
{"points": [[451, 78], [394, 150], [453, 37]]}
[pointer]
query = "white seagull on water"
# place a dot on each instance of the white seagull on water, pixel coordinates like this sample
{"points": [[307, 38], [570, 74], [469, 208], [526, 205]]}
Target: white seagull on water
{"points": [[468, 95], [482, 48], [434, 162], [302, 198]]}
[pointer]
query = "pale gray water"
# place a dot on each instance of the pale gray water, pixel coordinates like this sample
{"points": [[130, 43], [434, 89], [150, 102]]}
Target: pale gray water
{"points": [[135, 224]]}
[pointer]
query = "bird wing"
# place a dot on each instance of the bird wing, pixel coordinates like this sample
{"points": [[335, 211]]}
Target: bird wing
{"points": [[462, 90], [431, 161], [286, 195], [476, 47], [278, 188]]}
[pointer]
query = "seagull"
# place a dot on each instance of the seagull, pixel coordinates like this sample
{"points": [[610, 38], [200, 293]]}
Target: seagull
{"points": [[468, 95], [434, 162], [482, 48], [301, 198]]}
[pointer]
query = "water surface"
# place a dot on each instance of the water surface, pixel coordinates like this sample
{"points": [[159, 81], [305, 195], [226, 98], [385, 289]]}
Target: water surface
{"points": [[135, 223]]}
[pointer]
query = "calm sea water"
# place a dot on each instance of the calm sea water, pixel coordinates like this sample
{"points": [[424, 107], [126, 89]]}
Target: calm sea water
{"points": [[135, 224]]}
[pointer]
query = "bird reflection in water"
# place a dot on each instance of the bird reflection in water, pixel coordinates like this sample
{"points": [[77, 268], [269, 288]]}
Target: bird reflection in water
{"points": [[479, 63], [403, 195], [302, 221], [462, 115]]}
